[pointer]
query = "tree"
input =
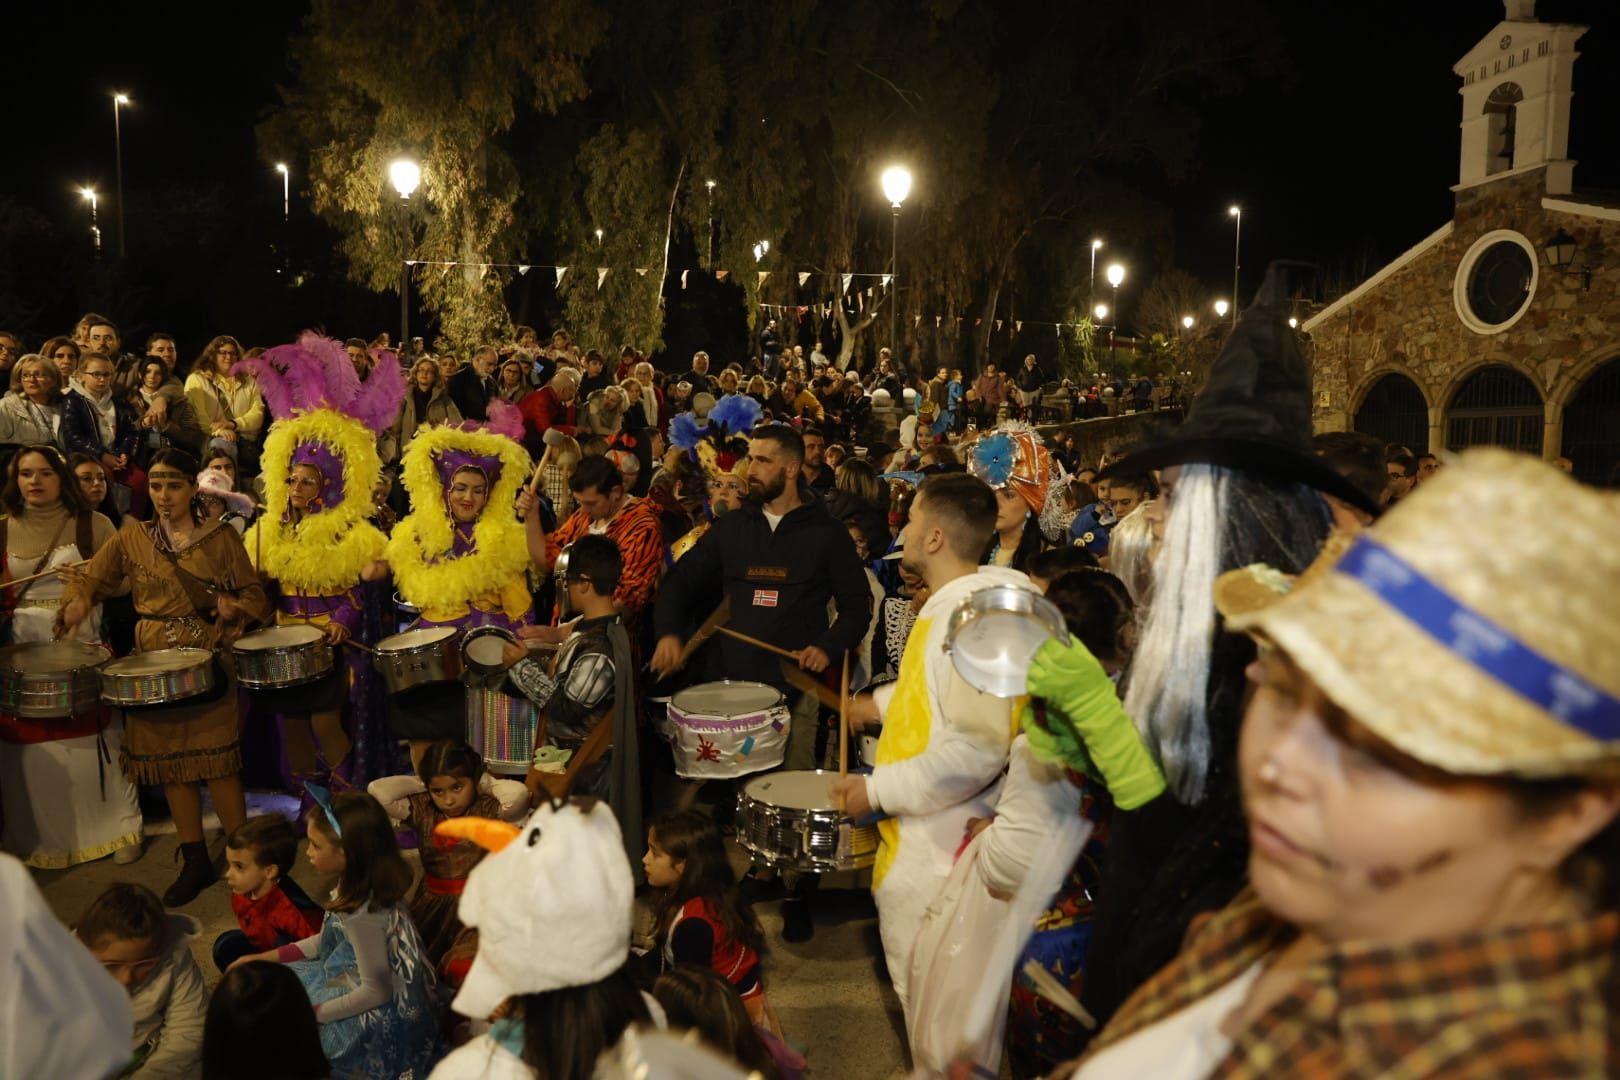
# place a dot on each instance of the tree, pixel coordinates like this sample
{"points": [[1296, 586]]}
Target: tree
{"points": [[439, 81], [1173, 295]]}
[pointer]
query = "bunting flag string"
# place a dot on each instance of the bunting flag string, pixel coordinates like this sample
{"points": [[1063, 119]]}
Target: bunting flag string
{"points": [[804, 276], [601, 276], [763, 274], [847, 279], [561, 270], [886, 279]]}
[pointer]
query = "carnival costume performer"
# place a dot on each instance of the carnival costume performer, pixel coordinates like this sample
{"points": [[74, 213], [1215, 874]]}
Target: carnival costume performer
{"points": [[716, 450], [193, 587], [1029, 491], [320, 466], [460, 557], [62, 804]]}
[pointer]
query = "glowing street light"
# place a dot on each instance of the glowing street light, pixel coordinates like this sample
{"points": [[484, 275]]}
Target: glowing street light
{"points": [[119, 101], [761, 249], [286, 190], [598, 237], [1293, 323], [406, 176], [896, 181], [1101, 311], [1221, 308], [1236, 213], [1116, 278], [89, 194], [1187, 322]]}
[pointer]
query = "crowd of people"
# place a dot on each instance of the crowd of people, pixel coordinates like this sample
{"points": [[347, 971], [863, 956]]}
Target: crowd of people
{"points": [[1314, 776]]}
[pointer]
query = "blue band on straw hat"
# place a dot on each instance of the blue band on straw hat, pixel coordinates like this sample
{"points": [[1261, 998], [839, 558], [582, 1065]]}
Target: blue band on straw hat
{"points": [[1485, 645], [323, 799]]}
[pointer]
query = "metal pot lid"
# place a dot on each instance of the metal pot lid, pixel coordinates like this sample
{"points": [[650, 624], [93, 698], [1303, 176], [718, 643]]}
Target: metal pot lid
{"points": [[992, 637]]}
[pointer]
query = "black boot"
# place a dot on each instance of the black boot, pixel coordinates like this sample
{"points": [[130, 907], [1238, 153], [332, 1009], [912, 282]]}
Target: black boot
{"points": [[196, 875]]}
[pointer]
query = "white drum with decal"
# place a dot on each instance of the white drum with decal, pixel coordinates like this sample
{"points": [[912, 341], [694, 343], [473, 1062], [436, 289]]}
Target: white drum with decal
{"points": [[724, 729]]}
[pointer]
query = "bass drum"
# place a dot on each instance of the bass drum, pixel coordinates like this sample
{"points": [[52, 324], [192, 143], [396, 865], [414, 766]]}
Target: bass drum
{"points": [[726, 729]]}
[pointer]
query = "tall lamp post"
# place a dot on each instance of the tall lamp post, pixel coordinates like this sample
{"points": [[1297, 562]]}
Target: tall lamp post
{"points": [[1236, 213], [406, 176], [1116, 277], [286, 191], [896, 186], [95, 229], [709, 184], [119, 101], [1101, 313], [1091, 292]]}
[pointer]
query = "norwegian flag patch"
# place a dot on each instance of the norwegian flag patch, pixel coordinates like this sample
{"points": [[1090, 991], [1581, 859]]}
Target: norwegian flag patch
{"points": [[765, 597]]}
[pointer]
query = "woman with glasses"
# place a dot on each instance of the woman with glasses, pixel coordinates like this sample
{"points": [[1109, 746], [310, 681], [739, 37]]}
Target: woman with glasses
{"points": [[99, 422], [32, 412], [228, 408]]}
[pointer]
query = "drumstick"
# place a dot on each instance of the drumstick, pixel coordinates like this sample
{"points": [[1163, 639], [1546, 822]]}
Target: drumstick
{"points": [[843, 725], [362, 646], [720, 615], [756, 643], [42, 574]]}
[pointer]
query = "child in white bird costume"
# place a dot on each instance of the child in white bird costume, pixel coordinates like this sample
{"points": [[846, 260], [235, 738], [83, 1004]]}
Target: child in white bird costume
{"points": [[552, 907]]}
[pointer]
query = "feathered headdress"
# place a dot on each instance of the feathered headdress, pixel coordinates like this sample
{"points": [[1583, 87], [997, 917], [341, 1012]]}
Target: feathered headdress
{"points": [[1012, 456], [326, 418], [715, 441]]}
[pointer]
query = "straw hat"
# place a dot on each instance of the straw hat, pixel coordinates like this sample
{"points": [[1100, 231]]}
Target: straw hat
{"points": [[1473, 655]]}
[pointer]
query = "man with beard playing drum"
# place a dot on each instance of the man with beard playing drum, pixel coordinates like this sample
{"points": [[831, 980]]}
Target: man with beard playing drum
{"points": [[779, 561]]}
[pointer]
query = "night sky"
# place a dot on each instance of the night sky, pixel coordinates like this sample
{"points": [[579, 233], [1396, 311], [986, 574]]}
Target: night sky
{"points": [[1347, 163]]}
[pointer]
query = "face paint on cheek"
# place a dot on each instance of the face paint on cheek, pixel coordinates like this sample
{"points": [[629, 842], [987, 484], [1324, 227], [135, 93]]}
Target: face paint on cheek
{"points": [[1384, 878]]}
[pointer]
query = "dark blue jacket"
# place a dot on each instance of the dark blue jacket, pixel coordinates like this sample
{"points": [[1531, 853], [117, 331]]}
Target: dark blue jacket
{"points": [[81, 434]]}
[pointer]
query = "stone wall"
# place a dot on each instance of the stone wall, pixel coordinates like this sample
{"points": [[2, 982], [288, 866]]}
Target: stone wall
{"points": [[1093, 436], [1408, 323]]}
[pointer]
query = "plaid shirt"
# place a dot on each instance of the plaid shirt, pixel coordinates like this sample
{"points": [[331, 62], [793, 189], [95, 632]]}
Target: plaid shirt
{"points": [[1523, 1002]]}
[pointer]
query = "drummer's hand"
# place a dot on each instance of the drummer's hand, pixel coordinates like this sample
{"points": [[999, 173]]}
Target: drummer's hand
{"points": [[70, 615], [527, 502], [666, 659], [228, 608], [862, 712], [547, 635], [977, 825], [375, 570], [336, 633], [512, 652], [811, 658], [70, 575], [852, 791]]}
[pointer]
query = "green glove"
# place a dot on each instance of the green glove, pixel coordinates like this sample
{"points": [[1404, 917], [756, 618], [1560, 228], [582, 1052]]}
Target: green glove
{"points": [[1084, 710]]}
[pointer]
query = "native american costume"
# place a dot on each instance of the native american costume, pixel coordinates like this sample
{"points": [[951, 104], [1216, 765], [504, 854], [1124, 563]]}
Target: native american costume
{"points": [[329, 421]]}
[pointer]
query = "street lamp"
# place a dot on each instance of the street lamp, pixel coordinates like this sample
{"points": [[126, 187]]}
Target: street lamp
{"points": [[1187, 322], [1091, 293], [119, 101], [896, 181], [286, 191], [406, 176], [1116, 277], [1221, 308], [1101, 311], [95, 229], [1293, 323], [709, 186], [761, 249], [1236, 213], [598, 237]]}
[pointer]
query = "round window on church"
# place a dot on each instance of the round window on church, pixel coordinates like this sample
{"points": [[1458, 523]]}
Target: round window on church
{"points": [[1495, 281]]}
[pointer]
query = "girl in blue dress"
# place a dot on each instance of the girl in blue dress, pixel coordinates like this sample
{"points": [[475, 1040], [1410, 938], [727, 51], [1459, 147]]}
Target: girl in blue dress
{"points": [[365, 972]]}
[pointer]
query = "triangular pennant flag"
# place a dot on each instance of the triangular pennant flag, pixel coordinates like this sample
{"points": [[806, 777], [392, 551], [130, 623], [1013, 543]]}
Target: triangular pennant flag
{"points": [[936, 321], [683, 277], [998, 326], [721, 275], [860, 301], [978, 322], [763, 274], [601, 276], [523, 268], [561, 270], [804, 276], [915, 319], [483, 271], [444, 268], [642, 271], [847, 279], [886, 279], [1020, 324], [1058, 329]]}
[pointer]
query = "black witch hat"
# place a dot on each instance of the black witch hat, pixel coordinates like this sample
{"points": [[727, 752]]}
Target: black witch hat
{"points": [[1254, 412]]}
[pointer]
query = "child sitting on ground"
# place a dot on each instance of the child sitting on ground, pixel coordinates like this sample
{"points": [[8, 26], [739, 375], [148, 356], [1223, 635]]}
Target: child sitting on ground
{"points": [[365, 972], [261, 1005], [450, 782], [270, 908], [146, 951], [697, 999], [698, 916]]}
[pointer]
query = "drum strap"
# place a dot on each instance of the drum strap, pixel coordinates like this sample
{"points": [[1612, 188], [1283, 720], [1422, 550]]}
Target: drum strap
{"points": [[597, 743]]}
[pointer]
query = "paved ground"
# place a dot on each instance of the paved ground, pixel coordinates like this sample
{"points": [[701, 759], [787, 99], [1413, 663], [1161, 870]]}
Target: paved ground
{"points": [[832, 998]]}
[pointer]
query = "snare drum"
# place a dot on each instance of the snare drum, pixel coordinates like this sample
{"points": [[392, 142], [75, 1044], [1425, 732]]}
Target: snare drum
{"points": [[45, 680], [726, 729], [483, 656], [418, 657], [788, 820], [282, 656], [162, 677], [501, 727]]}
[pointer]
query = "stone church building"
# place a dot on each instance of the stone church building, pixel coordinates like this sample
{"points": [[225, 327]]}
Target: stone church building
{"points": [[1502, 326]]}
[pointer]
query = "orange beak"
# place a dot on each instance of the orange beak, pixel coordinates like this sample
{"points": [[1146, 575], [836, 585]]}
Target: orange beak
{"points": [[487, 834]]}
